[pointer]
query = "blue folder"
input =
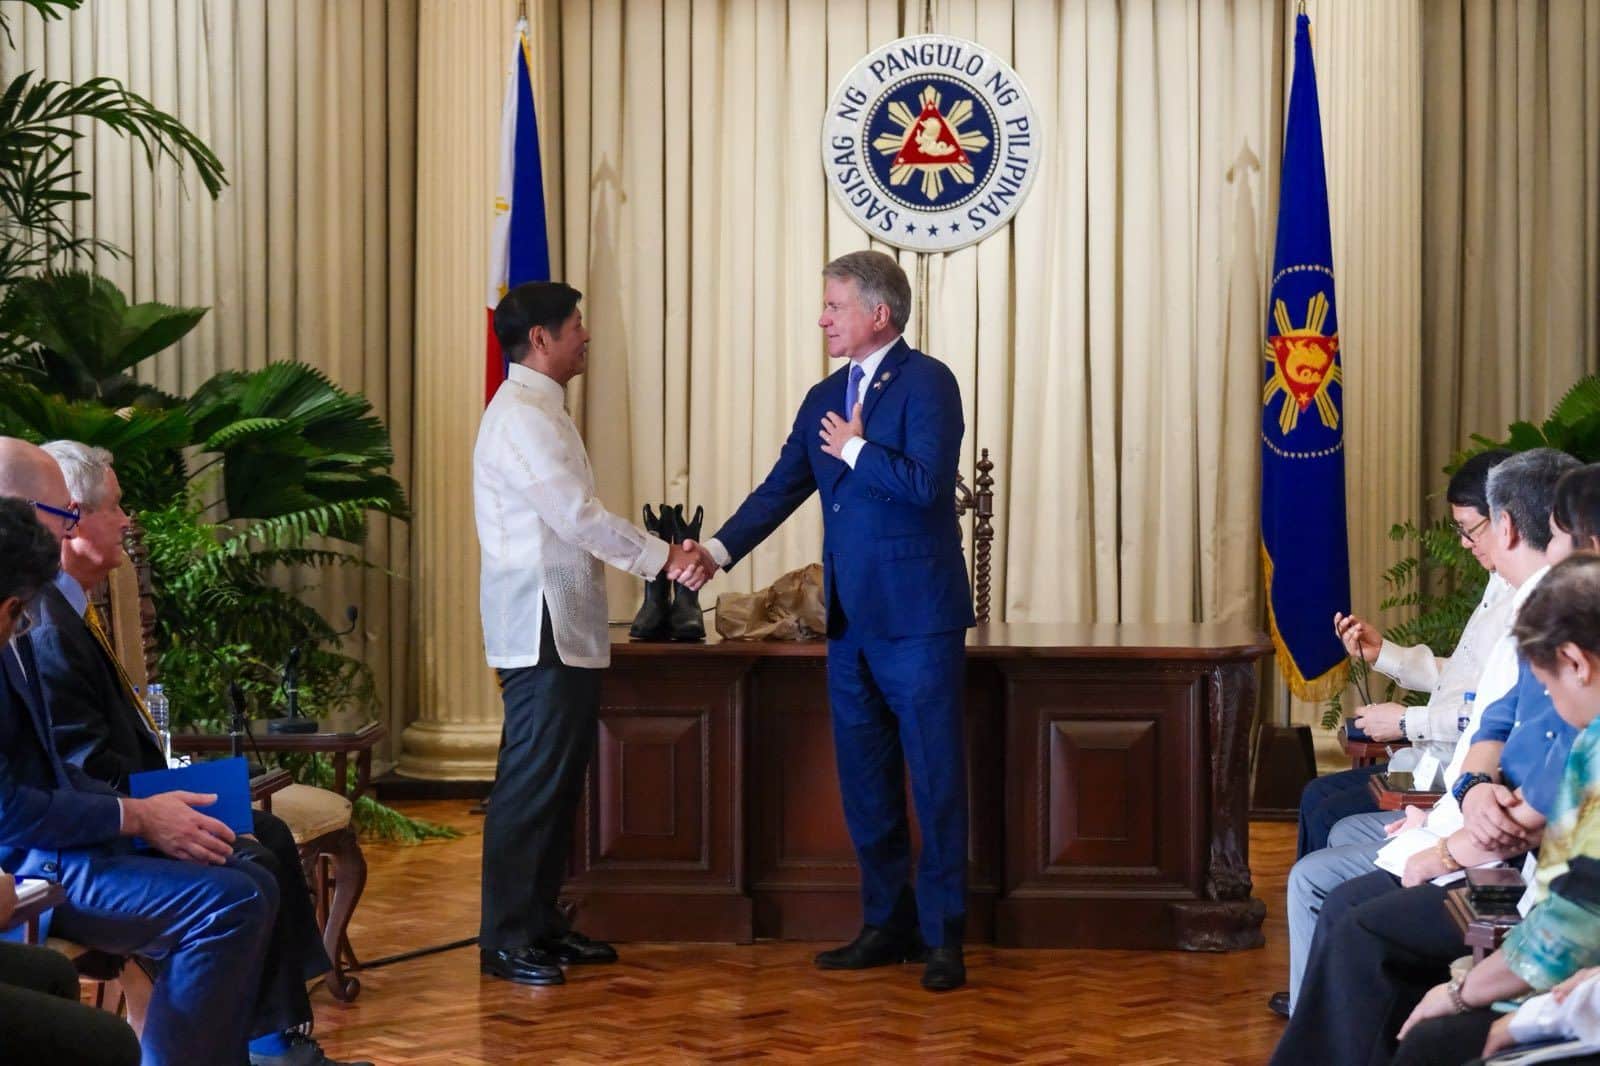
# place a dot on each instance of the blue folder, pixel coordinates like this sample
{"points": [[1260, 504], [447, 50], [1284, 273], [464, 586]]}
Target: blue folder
{"points": [[228, 778]]}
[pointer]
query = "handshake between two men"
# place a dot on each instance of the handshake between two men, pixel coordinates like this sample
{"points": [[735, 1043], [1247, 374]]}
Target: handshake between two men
{"points": [[691, 563]]}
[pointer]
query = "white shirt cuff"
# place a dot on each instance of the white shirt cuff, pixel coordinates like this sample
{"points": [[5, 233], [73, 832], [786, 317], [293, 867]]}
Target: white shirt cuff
{"points": [[1417, 724], [122, 815], [718, 552], [851, 449], [653, 559]]}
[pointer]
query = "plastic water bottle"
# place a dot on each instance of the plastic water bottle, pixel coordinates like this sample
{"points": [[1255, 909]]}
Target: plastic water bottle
{"points": [[1465, 717], [161, 715]]}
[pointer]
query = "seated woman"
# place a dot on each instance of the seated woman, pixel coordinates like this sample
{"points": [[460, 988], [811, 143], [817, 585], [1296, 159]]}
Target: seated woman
{"points": [[1432, 728], [1371, 972], [1569, 1012]]}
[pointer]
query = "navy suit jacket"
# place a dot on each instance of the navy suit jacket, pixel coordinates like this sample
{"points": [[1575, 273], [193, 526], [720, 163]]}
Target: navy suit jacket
{"points": [[96, 724], [51, 813], [892, 560]]}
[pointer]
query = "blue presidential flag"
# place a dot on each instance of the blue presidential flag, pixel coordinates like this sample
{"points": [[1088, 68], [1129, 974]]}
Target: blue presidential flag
{"points": [[1304, 550]]}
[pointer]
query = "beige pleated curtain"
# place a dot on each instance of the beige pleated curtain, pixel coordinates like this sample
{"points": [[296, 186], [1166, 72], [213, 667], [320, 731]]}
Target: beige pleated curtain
{"points": [[1108, 343], [308, 254]]}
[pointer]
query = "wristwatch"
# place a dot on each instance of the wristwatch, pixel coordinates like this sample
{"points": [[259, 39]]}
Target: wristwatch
{"points": [[1464, 784]]}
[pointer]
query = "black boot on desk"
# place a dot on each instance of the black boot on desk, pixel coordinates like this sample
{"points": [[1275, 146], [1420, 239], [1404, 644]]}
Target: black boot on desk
{"points": [[654, 617], [688, 620], [524, 966], [946, 969], [873, 947]]}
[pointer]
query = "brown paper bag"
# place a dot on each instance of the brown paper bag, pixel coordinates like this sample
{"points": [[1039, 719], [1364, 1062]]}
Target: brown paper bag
{"points": [[788, 609]]}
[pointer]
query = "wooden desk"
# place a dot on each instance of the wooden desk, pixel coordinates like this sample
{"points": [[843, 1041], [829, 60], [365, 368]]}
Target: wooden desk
{"points": [[340, 735], [1107, 787], [29, 911]]}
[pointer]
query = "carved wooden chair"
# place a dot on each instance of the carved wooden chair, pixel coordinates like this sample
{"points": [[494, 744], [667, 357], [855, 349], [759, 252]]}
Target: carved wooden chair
{"points": [[978, 500], [319, 819]]}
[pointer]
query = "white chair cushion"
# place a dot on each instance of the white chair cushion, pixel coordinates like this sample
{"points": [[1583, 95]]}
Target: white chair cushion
{"points": [[311, 812]]}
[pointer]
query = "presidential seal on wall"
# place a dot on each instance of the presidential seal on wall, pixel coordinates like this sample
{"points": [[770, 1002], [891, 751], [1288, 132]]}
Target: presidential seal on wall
{"points": [[930, 143]]}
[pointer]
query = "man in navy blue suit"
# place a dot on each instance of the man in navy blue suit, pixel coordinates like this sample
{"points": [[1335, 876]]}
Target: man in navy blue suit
{"points": [[201, 912], [899, 606]]}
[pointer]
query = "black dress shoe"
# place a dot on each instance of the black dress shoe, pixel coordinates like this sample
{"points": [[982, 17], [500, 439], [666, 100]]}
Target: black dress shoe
{"points": [[946, 969], [574, 947], [873, 947], [1279, 1004], [301, 1051], [525, 966]]}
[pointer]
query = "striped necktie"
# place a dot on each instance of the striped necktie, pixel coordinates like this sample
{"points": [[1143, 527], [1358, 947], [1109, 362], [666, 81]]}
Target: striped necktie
{"points": [[97, 626]]}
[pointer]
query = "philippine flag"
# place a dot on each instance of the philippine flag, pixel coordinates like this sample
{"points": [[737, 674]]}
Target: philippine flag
{"points": [[519, 249]]}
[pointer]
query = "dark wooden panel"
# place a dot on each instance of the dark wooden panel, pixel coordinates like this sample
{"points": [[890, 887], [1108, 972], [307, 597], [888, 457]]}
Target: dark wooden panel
{"points": [[1106, 763], [652, 792], [799, 831], [660, 831], [1103, 779]]}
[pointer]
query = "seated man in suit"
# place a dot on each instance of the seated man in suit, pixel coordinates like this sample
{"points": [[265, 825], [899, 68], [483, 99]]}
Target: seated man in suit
{"points": [[102, 726], [191, 903]]}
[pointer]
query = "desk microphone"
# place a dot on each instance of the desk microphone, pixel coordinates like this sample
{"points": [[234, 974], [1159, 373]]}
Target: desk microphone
{"points": [[291, 681], [236, 722], [292, 721]]}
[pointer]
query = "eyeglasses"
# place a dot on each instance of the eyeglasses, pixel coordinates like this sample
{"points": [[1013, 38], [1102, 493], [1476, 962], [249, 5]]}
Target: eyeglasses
{"points": [[1469, 535], [72, 514]]}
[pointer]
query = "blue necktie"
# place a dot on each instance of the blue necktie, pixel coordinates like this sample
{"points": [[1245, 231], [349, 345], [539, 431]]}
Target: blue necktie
{"points": [[852, 391]]}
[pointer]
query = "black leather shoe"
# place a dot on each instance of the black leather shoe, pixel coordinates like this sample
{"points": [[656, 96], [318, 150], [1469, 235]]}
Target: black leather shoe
{"points": [[873, 947], [1279, 1004], [946, 970], [574, 947], [302, 1051], [525, 966]]}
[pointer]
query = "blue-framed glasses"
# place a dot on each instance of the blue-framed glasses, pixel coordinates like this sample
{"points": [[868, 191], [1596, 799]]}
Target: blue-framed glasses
{"points": [[70, 514]]}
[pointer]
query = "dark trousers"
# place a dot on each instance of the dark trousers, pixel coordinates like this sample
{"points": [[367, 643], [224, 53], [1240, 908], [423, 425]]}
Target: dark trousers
{"points": [[1330, 798], [898, 702], [1378, 950], [295, 953], [551, 715], [41, 1020], [1458, 1038]]}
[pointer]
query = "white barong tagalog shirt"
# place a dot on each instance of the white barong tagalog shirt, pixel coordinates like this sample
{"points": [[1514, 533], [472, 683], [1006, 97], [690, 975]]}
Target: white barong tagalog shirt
{"points": [[542, 532]]}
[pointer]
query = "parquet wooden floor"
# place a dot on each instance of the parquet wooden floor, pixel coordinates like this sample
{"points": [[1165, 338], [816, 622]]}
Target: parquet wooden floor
{"points": [[765, 1003]]}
